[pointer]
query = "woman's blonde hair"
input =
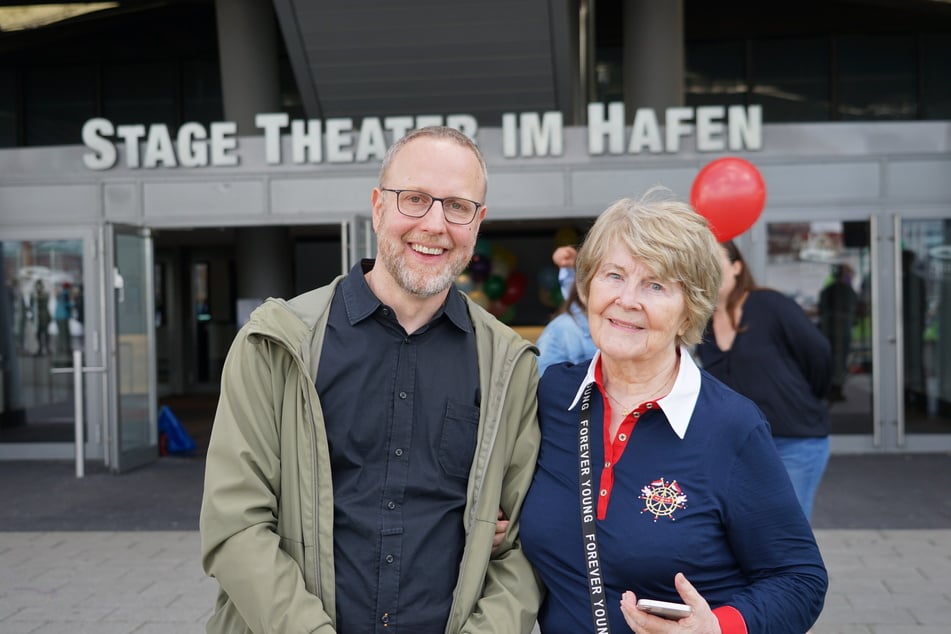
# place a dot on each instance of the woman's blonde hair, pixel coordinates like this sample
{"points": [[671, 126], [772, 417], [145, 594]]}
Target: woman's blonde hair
{"points": [[666, 235]]}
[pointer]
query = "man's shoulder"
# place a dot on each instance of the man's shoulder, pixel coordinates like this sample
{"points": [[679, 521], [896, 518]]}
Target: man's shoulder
{"points": [[298, 315]]}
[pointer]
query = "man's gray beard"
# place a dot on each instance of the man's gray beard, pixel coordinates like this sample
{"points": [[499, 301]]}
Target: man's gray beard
{"points": [[416, 282]]}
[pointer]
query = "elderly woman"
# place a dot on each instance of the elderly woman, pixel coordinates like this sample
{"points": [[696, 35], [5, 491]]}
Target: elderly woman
{"points": [[654, 480]]}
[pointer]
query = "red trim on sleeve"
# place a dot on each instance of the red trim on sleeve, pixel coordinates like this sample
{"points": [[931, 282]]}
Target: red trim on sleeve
{"points": [[731, 621]]}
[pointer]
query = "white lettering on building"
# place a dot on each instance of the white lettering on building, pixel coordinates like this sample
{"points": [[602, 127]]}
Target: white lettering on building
{"points": [[341, 140], [194, 146], [530, 134], [716, 129]]}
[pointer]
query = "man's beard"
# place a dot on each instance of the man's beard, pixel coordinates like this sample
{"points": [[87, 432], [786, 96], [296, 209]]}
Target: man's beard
{"points": [[421, 280]]}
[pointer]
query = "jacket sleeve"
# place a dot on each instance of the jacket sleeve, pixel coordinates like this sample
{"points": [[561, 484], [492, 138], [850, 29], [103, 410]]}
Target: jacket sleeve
{"points": [[260, 582], [512, 593]]}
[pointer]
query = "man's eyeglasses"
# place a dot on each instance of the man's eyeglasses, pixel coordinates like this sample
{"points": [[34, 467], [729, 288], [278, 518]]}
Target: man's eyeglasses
{"points": [[457, 211]]}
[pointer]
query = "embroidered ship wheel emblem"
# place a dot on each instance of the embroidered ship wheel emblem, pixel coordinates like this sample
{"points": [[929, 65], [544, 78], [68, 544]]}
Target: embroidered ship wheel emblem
{"points": [[662, 498]]}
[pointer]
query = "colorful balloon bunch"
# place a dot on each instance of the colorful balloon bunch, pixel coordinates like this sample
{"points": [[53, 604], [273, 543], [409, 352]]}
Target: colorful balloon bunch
{"points": [[492, 281]]}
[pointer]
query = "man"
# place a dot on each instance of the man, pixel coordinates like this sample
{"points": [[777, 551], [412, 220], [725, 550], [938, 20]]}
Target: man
{"points": [[837, 307], [369, 433]]}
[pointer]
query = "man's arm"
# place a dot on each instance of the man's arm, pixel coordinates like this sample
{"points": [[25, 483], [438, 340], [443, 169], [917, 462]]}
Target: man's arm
{"points": [[512, 593], [240, 544]]}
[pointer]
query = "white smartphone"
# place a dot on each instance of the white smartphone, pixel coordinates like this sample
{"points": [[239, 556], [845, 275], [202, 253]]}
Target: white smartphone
{"points": [[665, 609]]}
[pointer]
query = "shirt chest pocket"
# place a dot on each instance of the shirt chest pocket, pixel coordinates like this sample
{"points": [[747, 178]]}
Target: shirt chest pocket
{"points": [[458, 439]]}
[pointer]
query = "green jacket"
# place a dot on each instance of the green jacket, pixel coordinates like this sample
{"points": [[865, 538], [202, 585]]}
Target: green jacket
{"points": [[267, 512]]}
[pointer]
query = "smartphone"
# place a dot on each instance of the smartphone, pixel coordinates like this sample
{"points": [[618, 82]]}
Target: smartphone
{"points": [[665, 609]]}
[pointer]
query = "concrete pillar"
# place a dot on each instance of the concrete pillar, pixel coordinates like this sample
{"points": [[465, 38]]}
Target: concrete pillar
{"points": [[653, 58], [263, 263], [247, 50]]}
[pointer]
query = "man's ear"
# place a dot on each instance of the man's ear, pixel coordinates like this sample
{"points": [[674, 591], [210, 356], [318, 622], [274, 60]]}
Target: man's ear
{"points": [[376, 207]]}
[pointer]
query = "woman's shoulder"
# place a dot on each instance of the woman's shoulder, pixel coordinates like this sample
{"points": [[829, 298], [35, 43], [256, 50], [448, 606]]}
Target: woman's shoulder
{"points": [[770, 304], [770, 297]]}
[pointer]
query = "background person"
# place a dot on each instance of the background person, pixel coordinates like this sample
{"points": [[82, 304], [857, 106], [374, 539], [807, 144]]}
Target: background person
{"points": [[62, 313], [655, 480], [838, 303], [763, 345], [564, 258], [341, 490], [41, 304], [566, 337]]}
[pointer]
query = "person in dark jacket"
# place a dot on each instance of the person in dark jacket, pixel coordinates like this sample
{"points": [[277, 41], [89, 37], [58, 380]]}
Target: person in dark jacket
{"points": [[369, 432], [763, 345], [837, 309]]}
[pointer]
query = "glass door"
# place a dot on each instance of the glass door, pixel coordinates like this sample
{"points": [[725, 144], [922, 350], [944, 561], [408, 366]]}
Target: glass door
{"points": [[359, 241], [925, 352], [134, 433], [44, 317], [826, 266]]}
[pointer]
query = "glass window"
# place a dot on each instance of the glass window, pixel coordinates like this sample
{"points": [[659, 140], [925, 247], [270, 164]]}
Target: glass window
{"points": [[290, 95], [926, 318], [201, 92], [139, 93], [8, 107], [58, 102], [41, 326], [826, 267], [877, 78], [936, 75], [609, 76], [790, 79], [716, 73]]}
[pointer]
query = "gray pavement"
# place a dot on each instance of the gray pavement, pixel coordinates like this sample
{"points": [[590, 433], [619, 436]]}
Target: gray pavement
{"points": [[108, 554]]}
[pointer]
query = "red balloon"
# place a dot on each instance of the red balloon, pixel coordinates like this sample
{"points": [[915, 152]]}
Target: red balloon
{"points": [[730, 193]]}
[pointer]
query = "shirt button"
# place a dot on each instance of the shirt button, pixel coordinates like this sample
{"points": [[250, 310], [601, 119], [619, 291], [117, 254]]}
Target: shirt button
{"points": [[637, 414], [391, 505], [398, 452], [607, 464], [385, 618], [604, 492], [402, 394], [386, 312], [389, 559], [623, 437]]}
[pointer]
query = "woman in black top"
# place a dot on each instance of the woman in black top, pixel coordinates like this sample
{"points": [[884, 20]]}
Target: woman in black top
{"points": [[763, 345]]}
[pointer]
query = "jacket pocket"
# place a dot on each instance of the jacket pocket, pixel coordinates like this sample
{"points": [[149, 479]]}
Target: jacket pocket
{"points": [[459, 434]]}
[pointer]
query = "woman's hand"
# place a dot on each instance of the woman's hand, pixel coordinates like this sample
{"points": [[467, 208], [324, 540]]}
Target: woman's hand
{"points": [[701, 619], [501, 526]]}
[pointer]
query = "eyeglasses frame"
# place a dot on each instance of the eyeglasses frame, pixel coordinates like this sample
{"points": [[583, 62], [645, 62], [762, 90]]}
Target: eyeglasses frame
{"points": [[434, 199]]}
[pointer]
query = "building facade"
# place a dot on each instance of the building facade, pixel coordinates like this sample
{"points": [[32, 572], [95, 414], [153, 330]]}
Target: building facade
{"points": [[146, 212]]}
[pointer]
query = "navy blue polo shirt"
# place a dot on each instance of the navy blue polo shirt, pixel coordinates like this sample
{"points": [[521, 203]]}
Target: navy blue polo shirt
{"points": [[402, 415], [698, 489]]}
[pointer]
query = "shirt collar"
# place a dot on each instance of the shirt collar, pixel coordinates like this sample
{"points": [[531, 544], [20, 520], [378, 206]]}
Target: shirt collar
{"points": [[679, 403], [361, 303]]}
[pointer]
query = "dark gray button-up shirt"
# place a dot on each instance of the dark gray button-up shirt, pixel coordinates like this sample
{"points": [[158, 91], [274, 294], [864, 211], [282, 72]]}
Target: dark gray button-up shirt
{"points": [[402, 412]]}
